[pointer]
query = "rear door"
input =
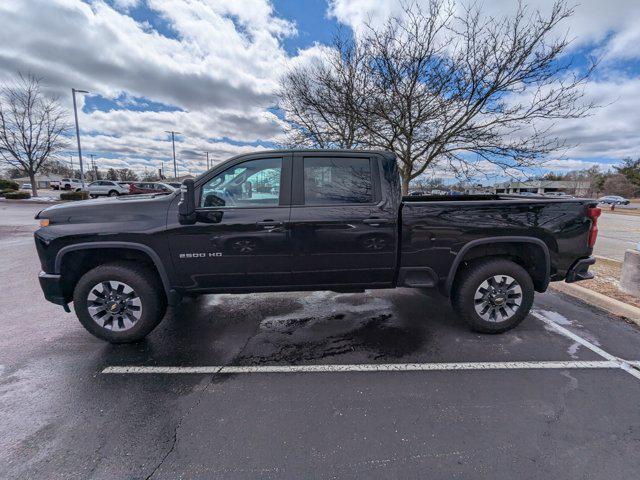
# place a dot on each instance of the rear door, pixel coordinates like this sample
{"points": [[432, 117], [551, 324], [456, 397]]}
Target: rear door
{"points": [[241, 239], [344, 233]]}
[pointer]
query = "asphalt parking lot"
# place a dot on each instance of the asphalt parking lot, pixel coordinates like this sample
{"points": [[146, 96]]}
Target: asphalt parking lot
{"points": [[386, 384]]}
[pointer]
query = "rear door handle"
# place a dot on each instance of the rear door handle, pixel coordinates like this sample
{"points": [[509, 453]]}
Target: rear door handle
{"points": [[375, 221]]}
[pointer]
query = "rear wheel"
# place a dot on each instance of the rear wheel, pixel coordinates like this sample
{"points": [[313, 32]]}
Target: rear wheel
{"points": [[113, 193], [119, 302], [493, 295]]}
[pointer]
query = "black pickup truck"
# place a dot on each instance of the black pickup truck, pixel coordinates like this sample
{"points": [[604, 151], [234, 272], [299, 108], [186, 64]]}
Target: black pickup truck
{"points": [[307, 220]]}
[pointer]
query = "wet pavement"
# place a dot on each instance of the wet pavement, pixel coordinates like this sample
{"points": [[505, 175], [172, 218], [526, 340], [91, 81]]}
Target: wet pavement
{"points": [[61, 417]]}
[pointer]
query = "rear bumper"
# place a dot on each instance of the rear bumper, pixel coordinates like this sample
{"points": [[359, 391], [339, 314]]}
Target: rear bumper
{"points": [[52, 288], [580, 270]]}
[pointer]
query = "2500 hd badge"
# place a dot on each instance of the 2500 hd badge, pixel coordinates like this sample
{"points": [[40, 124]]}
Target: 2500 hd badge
{"points": [[200, 255]]}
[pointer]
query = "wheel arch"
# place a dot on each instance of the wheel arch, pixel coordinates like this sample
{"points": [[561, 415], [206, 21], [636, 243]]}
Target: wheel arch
{"points": [[110, 251], [534, 251]]}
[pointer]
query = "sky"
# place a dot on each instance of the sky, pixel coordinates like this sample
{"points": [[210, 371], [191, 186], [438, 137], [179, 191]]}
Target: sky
{"points": [[209, 69]]}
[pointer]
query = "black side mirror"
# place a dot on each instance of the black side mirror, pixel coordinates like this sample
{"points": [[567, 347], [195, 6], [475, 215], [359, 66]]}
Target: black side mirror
{"points": [[187, 204]]}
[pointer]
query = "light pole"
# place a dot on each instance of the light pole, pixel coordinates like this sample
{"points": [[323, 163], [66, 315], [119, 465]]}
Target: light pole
{"points": [[75, 113], [173, 143], [207, 160], [71, 157]]}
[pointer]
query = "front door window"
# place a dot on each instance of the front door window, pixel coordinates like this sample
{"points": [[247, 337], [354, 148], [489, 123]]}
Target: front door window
{"points": [[255, 183]]}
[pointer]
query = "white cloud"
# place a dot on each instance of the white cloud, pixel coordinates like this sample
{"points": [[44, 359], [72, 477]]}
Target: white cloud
{"points": [[609, 28], [220, 70]]}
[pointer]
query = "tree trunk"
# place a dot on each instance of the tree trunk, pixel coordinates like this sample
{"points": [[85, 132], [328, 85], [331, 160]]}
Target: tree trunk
{"points": [[34, 187], [405, 184]]}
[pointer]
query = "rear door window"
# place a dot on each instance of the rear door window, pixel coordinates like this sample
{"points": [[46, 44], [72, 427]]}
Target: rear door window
{"points": [[331, 181]]}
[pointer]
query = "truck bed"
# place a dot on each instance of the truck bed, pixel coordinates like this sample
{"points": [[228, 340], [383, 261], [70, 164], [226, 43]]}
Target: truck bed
{"points": [[435, 229]]}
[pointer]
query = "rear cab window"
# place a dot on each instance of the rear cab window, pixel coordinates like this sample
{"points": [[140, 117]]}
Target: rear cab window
{"points": [[337, 180]]}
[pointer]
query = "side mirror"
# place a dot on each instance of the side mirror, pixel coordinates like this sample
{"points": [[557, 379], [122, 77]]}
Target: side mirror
{"points": [[187, 204]]}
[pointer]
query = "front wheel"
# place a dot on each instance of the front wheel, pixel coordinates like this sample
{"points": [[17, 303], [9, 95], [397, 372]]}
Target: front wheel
{"points": [[113, 193], [493, 295], [119, 302]]}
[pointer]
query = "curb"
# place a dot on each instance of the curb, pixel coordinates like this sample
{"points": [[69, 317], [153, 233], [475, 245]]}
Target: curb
{"points": [[610, 305]]}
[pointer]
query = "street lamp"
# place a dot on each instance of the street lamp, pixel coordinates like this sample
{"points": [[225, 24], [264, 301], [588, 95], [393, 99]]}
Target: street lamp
{"points": [[173, 143], [75, 113]]}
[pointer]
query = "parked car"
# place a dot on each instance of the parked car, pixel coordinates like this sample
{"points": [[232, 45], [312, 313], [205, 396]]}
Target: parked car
{"points": [[107, 187], [71, 184], [26, 186], [613, 200], [174, 184], [138, 188], [338, 222], [416, 193], [557, 194], [54, 184]]}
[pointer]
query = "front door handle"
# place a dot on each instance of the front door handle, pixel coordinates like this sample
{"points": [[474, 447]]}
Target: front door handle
{"points": [[269, 223]]}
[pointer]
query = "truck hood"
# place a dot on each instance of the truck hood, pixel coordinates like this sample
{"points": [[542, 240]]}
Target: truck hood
{"points": [[108, 209]]}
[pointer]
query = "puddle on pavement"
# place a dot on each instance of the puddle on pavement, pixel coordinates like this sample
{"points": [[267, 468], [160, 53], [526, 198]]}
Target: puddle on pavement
{"points": [[327, 324]]}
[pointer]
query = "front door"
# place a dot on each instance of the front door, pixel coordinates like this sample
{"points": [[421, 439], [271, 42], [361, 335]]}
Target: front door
{"points": [[241, 238], [344, 234]]}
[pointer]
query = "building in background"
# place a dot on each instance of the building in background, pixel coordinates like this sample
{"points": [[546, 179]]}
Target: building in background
{"points": [[570, 187], [42, 181]]}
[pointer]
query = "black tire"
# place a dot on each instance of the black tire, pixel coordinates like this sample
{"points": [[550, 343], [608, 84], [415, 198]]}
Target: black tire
{"points": [[113, 193], [147, 288], [469, 282]]}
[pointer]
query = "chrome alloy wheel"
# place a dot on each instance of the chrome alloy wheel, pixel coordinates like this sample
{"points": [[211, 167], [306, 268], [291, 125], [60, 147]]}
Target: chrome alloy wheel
{"points": [[114, 305], [498, 298]]}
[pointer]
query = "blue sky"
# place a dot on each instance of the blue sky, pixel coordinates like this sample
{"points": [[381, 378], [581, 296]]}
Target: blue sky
{"points": [[209, 69]]}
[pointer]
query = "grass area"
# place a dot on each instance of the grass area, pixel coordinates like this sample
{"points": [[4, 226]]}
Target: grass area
{"points": [[607, 281]]}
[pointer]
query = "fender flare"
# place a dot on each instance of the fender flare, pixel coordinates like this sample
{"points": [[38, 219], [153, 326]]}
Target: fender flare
{"points": [[124, 245], [504, 239]]}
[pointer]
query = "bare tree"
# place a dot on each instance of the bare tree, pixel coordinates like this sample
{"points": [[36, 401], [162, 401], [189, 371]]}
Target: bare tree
{"points": [[618, 184], [435, 85], [32, 126], [323, 99]]}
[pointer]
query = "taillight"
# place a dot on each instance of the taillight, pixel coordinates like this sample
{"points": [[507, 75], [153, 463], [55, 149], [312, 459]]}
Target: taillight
{"points": [[593, 213]]}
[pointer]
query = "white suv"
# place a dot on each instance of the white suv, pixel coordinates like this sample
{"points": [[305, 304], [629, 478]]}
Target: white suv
{"points": [[107, 187], [71, 184]]}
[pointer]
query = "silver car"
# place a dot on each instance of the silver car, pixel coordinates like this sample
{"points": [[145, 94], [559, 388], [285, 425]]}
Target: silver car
{"points": [[107, 187]]}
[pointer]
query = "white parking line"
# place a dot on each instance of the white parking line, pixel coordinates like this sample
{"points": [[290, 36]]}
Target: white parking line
{"points": [[385, 367], [610, 362], [627, 366]]}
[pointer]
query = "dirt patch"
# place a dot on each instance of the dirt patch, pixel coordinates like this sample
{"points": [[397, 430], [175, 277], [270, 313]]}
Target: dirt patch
{"points": [[627, 211], [607, 281]]}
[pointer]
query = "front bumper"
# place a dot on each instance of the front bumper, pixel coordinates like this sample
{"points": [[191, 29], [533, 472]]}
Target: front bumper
{"points": [[51, 285], [580, 270]]}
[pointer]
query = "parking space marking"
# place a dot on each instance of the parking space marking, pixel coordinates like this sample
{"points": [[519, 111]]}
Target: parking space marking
{"points": [[610, 362], [384, 367], [627, 366]]}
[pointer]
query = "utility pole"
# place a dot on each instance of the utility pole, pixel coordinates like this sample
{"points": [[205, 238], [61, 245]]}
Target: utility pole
{"points": [[207, 160], [71, 157], [93, 167], [75, 113], [173, 143]]}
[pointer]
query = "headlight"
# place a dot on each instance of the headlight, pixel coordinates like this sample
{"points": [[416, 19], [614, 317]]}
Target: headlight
{"points": [[44, 222]]}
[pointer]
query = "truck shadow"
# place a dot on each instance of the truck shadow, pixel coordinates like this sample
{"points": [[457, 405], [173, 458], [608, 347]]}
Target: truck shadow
{"points": [[293, 328]]}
